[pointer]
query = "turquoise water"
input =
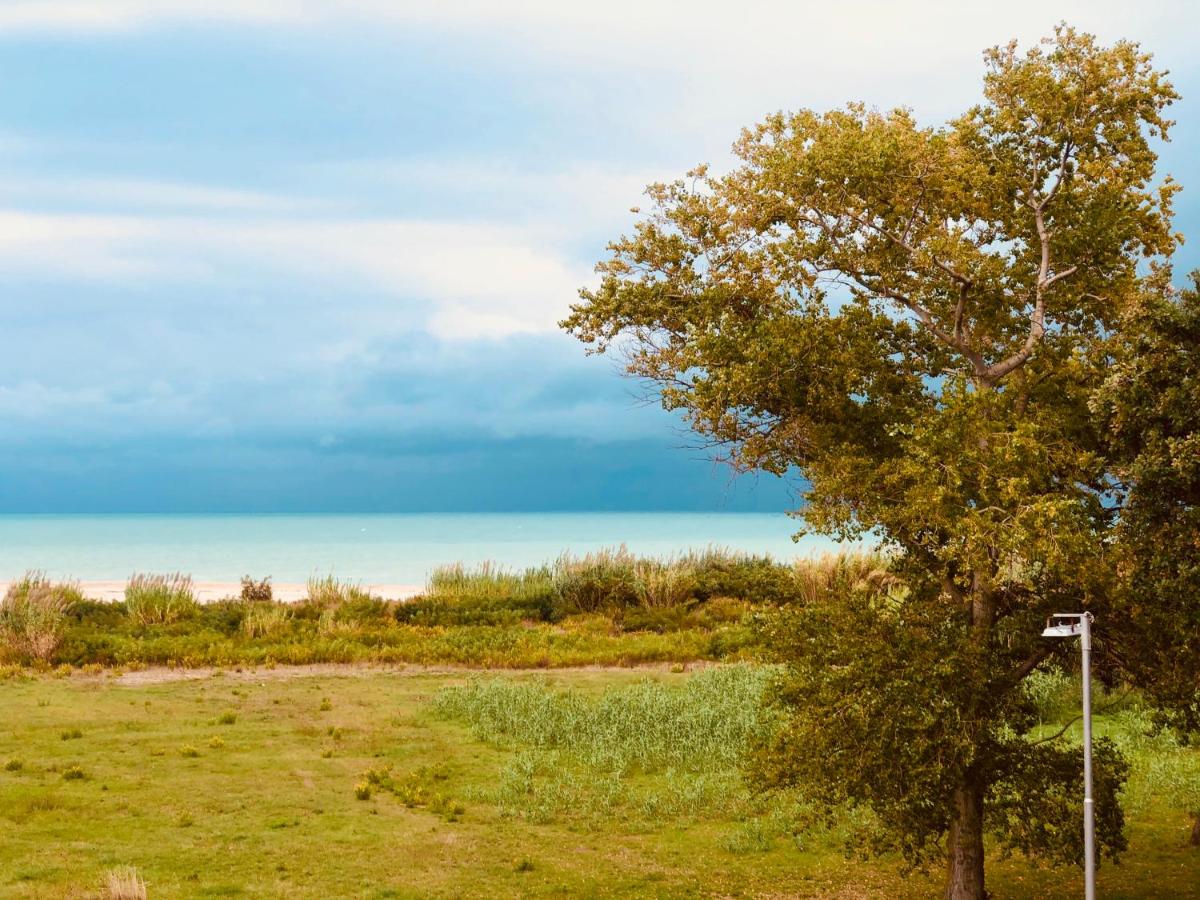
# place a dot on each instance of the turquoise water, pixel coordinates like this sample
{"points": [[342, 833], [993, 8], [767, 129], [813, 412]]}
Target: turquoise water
{"points": [[397, 549]]}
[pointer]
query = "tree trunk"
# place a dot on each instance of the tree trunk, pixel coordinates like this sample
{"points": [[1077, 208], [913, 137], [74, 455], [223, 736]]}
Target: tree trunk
{"points": [[1196, 829], [964, 876]]}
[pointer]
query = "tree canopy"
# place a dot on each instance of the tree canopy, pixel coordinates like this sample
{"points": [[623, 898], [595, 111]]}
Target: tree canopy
{"points": [[921, 320]]}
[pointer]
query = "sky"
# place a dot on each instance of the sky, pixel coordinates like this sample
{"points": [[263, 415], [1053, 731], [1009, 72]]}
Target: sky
{"points": [[303, 255]]}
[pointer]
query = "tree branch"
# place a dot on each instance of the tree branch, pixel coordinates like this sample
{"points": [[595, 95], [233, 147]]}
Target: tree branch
{"points": [[1037, 321], [1102, 708], [1015, 676], [958, 311]]}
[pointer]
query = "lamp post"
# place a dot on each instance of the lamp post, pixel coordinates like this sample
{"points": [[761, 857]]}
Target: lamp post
{"points": [[1080, 625]]}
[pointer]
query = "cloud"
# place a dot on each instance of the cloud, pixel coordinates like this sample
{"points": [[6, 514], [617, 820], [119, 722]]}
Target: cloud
{"points": [[140, 194], [468, 279], [273, 252], [576, 196], [124, 15], [828, 48]]}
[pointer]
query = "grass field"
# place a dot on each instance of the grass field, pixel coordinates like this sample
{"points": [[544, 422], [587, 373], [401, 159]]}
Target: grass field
{"points": [[406, 783]]}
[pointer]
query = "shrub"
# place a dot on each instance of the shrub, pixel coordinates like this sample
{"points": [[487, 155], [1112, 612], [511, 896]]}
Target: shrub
{"points": [[1050, 693], [34, 616], [256, 591], [159, 599], [14, 765], [597, 581], [758, 579], [125, 884], [188, 751], [653, 618], [225, 615], [73, 773], [227, 718]]}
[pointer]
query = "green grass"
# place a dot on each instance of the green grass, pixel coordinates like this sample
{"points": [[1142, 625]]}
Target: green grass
{"points": [[500, 786], [233, 633]]}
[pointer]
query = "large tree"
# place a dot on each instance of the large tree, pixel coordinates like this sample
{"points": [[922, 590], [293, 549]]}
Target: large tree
{"points": [[917, 319]]}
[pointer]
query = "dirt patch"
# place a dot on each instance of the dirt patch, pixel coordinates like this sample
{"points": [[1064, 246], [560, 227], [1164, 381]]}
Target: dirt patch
{"points": [[163, 675]]}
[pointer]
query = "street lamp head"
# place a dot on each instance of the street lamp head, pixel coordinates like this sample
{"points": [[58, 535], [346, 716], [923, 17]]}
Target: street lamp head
{"points": [[1065, 624]]}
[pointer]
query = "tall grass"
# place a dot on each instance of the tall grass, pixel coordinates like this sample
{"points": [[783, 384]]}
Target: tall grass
{"points": [[265, 619], [33, 616], [614, 579], [648, 751], [816, 578], [159, 599], [125, 884], [487, 582], [328, 592], [701, 725], [663, 584]]}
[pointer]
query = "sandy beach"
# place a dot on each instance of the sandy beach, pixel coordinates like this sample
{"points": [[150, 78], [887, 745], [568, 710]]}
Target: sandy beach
{"points": [[208, 591]]}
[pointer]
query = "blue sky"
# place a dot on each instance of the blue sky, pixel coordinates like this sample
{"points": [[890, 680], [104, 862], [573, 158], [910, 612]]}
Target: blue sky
{"points": [[309, 255]]}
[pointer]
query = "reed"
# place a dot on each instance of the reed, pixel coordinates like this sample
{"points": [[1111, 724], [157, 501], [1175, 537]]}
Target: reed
{"points": [[34, 616], [328, 592], [159, 599], [125, 884], [830, 573], [265, 619]]}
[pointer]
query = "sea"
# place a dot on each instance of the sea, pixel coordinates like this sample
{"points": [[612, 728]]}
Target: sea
{"points": [[370, 548]]}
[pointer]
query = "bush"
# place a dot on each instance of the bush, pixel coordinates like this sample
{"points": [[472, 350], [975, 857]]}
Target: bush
{"points": [[159, 599], [595, 582], [759, 579], [1051, 694], [34, 616], [659, 619], [256, 591]]}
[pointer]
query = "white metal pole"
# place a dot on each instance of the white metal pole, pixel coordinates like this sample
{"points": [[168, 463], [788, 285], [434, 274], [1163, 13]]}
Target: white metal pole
{"points": [[1089, 810]]}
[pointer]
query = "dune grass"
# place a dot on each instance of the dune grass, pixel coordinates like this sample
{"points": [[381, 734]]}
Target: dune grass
{"points": [[604, 608], [34, 617], [159, 599], [460, 796]]}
